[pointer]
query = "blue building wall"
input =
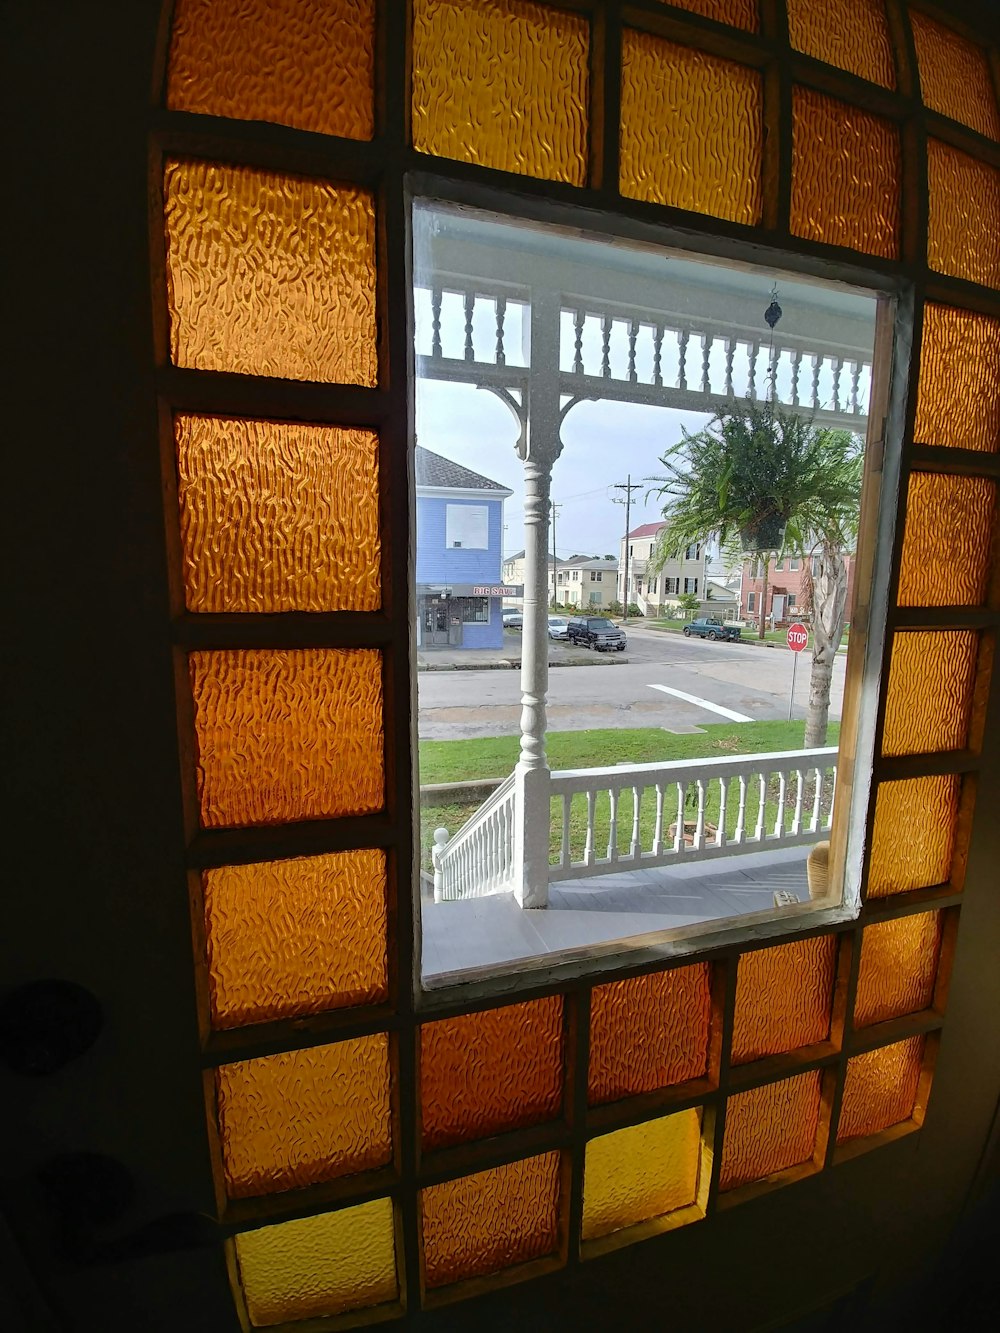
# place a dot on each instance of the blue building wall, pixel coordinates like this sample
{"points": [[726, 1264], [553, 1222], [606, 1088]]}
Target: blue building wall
{"points": [[438, 563]]}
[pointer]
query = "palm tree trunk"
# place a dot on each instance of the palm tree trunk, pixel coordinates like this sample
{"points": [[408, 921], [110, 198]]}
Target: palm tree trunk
{"points": [[762, 617], [829, 602]]}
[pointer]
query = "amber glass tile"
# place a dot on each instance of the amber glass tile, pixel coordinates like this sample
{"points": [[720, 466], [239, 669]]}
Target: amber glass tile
{"points": [[641, 1172], [947, 540], [484, 1072], [880, 1088], [286, 938], [928, 700], [783, 997], [691, 131], [270, 274], [954, 76], [898, 966], [852, 34], [301, 1117], [958, 393], [293, 62], [845, 175], [504, 84], [913, 840], [769, 1128], [319, 1265], [963, 222], [277, 516], [490, 1221], [287, 735], [737, 13], [648, 1032]]}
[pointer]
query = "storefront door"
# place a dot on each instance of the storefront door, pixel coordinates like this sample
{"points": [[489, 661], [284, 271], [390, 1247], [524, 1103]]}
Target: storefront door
{"points": [[435, 627]]}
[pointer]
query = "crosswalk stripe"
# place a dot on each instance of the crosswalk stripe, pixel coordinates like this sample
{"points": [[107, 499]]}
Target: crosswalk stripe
{"points": [[703, 703]]}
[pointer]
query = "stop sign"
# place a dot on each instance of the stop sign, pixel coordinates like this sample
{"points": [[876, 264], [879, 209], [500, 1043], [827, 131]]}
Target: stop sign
{"points": [[798, 637]]}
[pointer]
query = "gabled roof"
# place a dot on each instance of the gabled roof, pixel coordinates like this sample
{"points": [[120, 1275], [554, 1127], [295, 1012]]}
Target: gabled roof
{"points": [[648, 529], [518, 555], [434, 470], [586, 562]]}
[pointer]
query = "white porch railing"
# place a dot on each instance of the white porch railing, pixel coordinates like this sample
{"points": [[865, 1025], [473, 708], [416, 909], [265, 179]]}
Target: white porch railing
{"points": [[632, 817]]}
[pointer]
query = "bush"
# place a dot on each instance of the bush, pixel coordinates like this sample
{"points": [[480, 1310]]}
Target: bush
{"points": [[634, 609]]}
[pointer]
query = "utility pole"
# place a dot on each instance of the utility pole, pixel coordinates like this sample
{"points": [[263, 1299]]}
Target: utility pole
{"points": [[628, 486], [553, 511]]}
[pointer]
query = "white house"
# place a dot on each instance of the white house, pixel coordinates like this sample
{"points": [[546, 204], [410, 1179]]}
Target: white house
{"points": [[652, 593], [586, 582]]}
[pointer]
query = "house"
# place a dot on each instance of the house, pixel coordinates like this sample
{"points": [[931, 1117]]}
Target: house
{"points": [[513, 571], [460, 587], [652, 593], [585, 582], [785, 594]]}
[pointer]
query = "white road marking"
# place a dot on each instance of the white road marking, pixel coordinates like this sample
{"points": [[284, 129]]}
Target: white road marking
{"points": [[703, 703]]}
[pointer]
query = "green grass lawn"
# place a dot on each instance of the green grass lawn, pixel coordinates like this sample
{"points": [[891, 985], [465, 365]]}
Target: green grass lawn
{"points": [[748, 635], [494, 757]]}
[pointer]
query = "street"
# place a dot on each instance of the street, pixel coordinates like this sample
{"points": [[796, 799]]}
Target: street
{"points": [[667, 681]]}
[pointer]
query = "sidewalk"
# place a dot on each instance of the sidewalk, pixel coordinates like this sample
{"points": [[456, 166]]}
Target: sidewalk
{"points": [[508, 658]]}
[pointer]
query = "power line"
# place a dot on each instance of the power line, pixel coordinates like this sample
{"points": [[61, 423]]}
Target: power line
{"points": [[628, 486]]}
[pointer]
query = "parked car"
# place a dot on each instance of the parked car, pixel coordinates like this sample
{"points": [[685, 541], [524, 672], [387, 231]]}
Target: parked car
{"points": [[596, 632], [558, 626], [708, 627], [513, 620]]}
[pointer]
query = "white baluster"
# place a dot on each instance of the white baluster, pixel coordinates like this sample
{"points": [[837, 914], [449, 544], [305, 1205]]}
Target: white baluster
{"points": [[779, 819], [762, 808], [741, 813], [720, 837], [799, 789], [699, 828], [588, 851], [564, 855], [658, 830], [636, 848], [817, 800], [613, 794]]}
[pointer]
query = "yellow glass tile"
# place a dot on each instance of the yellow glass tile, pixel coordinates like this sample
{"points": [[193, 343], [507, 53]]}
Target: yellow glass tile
{"points": [[880, 1088], [769, 1128], [898, 966], [641, 1172], [737, 13], [928, 701], [287, 735], [963, 220], [958, 393], [490, 1221], [293, 62], [954, 76], [503, 83], [913, 840], [319, 1265], [648, 1032], [691, 129], [270, 274], [286, 938], [490, 1071], [277, 516], [783, 997], [947, 540], [301, 1117], [845, 175], [851, 34]]}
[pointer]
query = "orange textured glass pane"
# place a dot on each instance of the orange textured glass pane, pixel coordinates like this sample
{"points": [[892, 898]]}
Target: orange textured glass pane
{"points": [[490, 1221], [769, 1128], [928, 699], [295, 937], [301, 1117], [286, 735], [270, 274], [913, 840], [504, 84], [641, 1172], [485, 1072], [737, 13], [648, 1032], [958, 393], [947, 540], [880, 1088], [852, 34], [845, 175], [783, 997], [293, 62], [963, 218], [898, 966], [319, 1265], [954, 76], [276, 516], [691, 129]]}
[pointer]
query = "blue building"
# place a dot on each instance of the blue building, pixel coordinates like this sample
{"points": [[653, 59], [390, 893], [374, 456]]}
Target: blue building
{"points": [[460, 590]]}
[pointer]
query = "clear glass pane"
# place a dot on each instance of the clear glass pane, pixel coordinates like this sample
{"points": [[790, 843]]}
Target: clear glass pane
{"points": [[958, 394], [963, 223], [769, 1128], [880, 1088], [898, 966], [783, 997], [641, 1172], [852, 34]]}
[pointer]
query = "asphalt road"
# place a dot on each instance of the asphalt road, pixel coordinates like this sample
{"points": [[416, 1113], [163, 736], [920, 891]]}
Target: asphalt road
{"points": [[721, 682]]}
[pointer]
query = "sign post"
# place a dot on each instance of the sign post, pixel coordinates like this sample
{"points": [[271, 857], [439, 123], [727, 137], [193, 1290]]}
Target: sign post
{"points": [[797, 639]]}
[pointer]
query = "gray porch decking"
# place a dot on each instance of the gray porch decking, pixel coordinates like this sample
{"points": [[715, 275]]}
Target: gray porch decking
{"points": [[487, 932]]}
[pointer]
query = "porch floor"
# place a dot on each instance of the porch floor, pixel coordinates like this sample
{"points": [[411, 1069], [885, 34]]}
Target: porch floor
{"points": [[487, 932]]}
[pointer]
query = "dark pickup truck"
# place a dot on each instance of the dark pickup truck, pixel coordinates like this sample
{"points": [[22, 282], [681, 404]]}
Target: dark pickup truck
{"points": [[709, 628], [596, 632]]}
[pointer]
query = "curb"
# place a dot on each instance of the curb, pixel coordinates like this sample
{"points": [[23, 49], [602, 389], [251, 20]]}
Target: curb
{"points": [[510, 664]]}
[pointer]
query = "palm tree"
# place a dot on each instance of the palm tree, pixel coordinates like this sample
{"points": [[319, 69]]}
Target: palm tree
{"points": [[766, 480]]}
